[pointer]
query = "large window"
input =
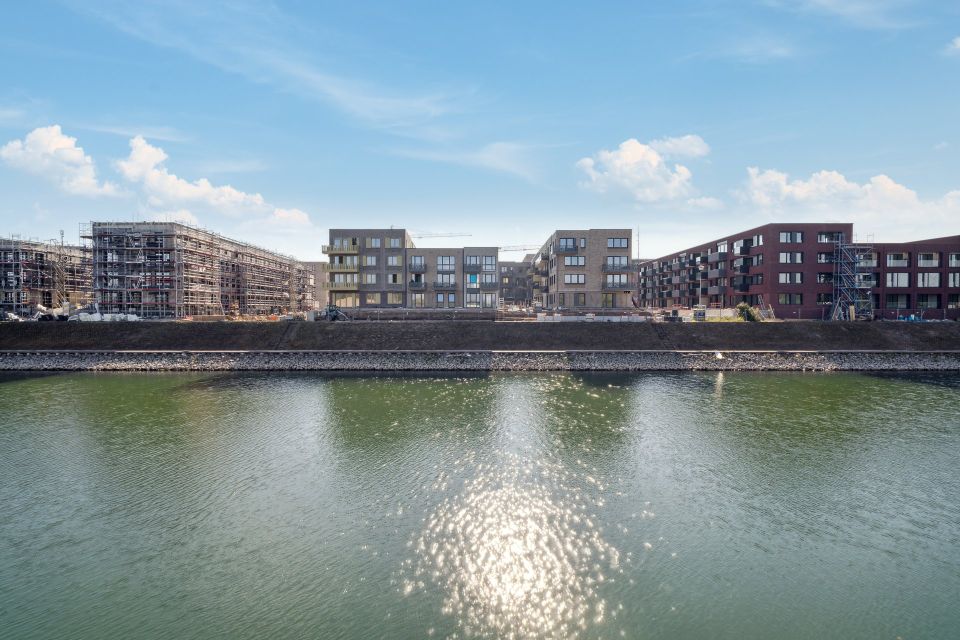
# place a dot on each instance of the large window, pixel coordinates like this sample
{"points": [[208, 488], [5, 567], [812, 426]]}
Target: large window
{"points": [[828, 236], [489, 263], [489, 300], [617, 261], [574, 278], [447, 278], [953, 280], [371, 298], [825, 278], [579, 299], [616, 280], [928, 301], [954, 260], [795, 277], [953, 301], [446, 263], [825, 258], [928, 259], [618, 243], [395, 243], [416, 300], [897, 279], [369, 261], [394, 298], [790, 237], [472, 300], [373, 243], [898, 259], [574, 261], [473, 281], [608, 300], [897, 301], [393, 278], [824, 298], [369, 278], [471, 260], [567, 244], [393, 261], [790, 298], [791, 257], [928, 280], [489, 278]]}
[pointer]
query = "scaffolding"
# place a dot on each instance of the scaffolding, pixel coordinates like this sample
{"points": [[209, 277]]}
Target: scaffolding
{"points": [[170, 270], [852, 295], [37, 274]]}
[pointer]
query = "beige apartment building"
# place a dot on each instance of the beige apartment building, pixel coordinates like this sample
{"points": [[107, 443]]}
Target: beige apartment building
{"points": [[580, 269]]}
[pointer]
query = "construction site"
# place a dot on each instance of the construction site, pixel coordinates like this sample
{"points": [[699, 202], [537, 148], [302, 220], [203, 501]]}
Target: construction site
{"points": [[169, 270], [37, 275]]}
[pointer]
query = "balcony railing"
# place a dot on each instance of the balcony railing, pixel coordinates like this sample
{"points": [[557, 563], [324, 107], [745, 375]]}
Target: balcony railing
{"points": [[489, 286], [344, 286], [614, 268], [717, 257], [716, 273], [340, 248], [566, 248], [472, 268], [444, 285], [417, 267], [446, 268], [616, 286], [341, 267], [417, 285], [716, 291]]}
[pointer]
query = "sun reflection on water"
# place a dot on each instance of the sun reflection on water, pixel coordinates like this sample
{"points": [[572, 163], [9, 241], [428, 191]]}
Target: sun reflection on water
{"points": [[516, 554]]}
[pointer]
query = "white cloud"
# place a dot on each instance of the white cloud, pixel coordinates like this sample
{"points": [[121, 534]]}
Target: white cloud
{"points": [[146, 167], [705, 203], [867, 14], [879, 204], [640, 169], [11, 114], [179, 215], [688, 146], [941, 146], [953, 48], [46, 151]]}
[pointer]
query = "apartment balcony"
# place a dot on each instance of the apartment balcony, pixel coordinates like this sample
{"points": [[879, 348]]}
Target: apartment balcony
{"points": [[417, 285], [716, 291], [716, 257], [341, 248], [341, 268], [716, 273], [489, 286], [446, 268], [417, 267], [744, 250], [610, 286], [566, 249], [472, 268], [928, 263], [344, 286], [742, 287], [614, 268], [898, 263], [444, 286], [743, 267]]}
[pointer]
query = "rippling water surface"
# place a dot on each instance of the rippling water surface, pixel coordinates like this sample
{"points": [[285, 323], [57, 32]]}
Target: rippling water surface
{"points": [[498, 506]]}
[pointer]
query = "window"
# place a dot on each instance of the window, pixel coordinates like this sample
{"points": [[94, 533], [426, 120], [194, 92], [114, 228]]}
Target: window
{"points": [[503, 269], [954, 260], [868, 260], [953, 301], [579, 299], [928, 301], [790, 298], [369, 261], [489, 263], [617, 243], [416, 261], [824, 278], [451, 300], [489, 300], [394, 298], [373, 243], [561, 299], [393, 261], [471, 260], [895, 279], [791, 257], [791, 278], [897, 301], [825, 258], [472, 300], [393, 278], [488, 278], [567, 244], [828, 236], [574, 278], [473, 281], [371, 298], [758, 240], [440, 298], [608, 300], [789, 237], [928, 280], [446, 263], [824, 298], [953, 280], [416, 300], [574, 261], [616, 280], [617, 261], [928, 260], [369, 278], [395, 243], [898, 259], [505, 280]]}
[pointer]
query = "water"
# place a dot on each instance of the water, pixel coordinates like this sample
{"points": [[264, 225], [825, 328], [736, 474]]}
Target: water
{"points": [[692, 505]]}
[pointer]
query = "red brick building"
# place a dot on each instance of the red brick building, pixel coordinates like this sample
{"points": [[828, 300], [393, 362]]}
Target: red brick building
{"points": [[791, 268]]}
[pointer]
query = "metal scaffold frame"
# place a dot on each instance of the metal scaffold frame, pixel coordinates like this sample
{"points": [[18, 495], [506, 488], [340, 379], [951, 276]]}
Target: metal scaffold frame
{"points": [[167, 270], [852, 295], [35, 273]]}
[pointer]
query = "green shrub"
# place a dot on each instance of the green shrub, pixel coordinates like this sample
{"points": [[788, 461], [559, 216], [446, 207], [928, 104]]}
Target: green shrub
{"points": [[747, 312]]}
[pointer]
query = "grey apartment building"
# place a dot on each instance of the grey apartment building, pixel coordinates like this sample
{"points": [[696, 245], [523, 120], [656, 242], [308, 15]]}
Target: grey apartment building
{"points": [[382, 268], [516, 281], [582, 269]]}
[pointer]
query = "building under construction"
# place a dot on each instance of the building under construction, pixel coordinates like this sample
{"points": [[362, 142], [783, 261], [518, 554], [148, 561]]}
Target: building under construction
{"points": [[37, 274], [160, 270]]}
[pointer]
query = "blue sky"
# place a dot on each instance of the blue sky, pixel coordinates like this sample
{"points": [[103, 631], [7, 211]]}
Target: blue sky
{"points": [[273, 121]]}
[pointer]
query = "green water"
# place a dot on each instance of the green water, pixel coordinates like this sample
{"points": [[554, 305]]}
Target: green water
{"points": [[688, 505]]}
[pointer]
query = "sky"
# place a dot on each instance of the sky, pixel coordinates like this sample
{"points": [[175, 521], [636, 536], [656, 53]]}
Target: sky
{"points": [[497, 121]]}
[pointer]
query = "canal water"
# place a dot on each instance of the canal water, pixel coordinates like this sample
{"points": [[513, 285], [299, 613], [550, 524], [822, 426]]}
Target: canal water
{"points": [[667, 505]]}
